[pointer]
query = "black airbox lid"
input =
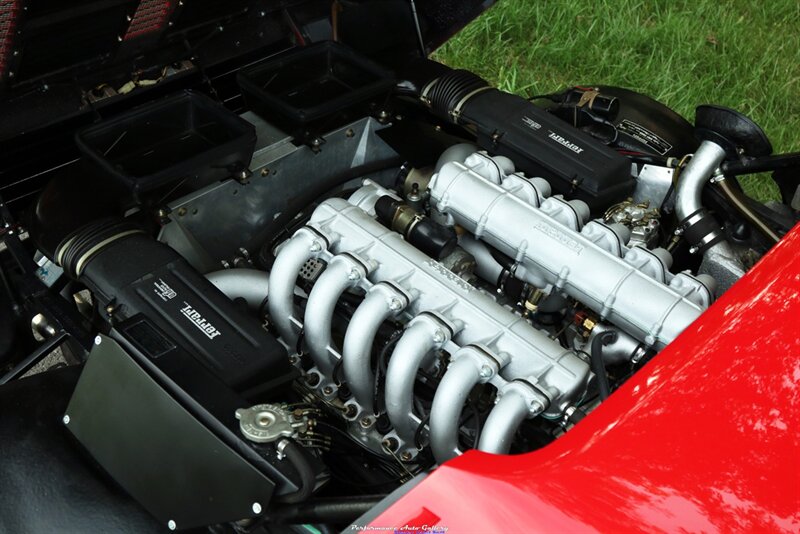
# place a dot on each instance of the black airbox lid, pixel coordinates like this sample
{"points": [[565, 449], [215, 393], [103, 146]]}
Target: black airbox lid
{"points": [[185, 137], [312, 83]]}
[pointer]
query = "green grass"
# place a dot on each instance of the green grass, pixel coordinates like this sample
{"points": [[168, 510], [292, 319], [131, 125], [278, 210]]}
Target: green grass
{"points": [[739, 53]]}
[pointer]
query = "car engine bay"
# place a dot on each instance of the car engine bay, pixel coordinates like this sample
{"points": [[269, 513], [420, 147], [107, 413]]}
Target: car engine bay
{"points": [[367, 273]]}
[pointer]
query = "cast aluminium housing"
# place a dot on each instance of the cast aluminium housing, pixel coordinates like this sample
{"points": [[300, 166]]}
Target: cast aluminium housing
{"points": [[654, 309], [442, 312]]}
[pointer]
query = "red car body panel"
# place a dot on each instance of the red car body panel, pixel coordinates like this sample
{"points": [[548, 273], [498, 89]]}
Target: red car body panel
{"points": [[703, 439]]}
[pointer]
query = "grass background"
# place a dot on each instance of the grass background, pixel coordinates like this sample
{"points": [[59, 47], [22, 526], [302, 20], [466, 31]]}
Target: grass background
{"points": [[744, 54]]}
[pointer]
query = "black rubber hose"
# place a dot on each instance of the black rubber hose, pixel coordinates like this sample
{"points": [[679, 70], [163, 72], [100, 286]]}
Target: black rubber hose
{"points": [[598, 367], [298, 457], [330, 510], [761, 164]]}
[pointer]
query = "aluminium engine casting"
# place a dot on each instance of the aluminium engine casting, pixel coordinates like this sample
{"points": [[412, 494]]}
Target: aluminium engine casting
{"points": [[553, 246], [486, 342]]}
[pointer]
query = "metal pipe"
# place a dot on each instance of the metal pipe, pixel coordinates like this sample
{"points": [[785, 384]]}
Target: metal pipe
{"points": [[426, 332], [304, 245], [485, 265], [503, 421], [343, 272], [251, 285], [694, 177], [382, 301], [470, 367]]}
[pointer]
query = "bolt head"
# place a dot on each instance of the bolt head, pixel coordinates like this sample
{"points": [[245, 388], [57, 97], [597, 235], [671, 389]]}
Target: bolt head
{"points": [[327, 390], [395, 304], [438, 336], [354, 274], [365, 422], [406, 456], [171, 525], [256, 508], [486, 371], [98, 340], [316, 246], [65, 419]]}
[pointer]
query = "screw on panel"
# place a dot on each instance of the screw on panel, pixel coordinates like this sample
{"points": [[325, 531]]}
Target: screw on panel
{"points": [[65, 419], [171, 525], [256, 508], [98, 340]]}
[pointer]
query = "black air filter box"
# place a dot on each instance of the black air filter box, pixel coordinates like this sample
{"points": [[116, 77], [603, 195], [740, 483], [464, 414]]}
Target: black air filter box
{"points": [[136, 275]]}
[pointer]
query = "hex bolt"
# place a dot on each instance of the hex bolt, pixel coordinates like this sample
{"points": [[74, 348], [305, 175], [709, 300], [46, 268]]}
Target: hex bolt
{"points": [[395, 304], [486, 371], [438, 336], [354, 274], [406, 456], [327, 390], [365, 422], [350, 411]]}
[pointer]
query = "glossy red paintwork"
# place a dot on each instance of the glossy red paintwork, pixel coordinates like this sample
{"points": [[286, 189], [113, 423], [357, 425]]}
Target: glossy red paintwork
{"points": [[703, 439]]}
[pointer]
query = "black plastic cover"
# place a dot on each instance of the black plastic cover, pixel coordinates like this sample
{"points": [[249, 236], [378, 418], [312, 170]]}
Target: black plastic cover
{"points": [[138, 275], [312, 83], [158, 450], [541, 144], [185, 138]]}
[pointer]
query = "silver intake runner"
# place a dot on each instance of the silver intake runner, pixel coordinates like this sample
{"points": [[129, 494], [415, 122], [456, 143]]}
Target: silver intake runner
{"points": [[443, 313]]}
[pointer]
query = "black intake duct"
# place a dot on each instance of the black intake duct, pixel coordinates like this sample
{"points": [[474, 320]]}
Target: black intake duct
{"points": [[147, 290], [539, 143]]}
